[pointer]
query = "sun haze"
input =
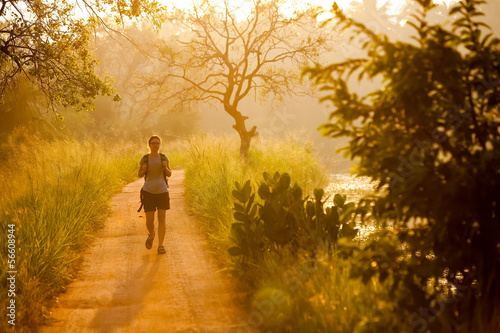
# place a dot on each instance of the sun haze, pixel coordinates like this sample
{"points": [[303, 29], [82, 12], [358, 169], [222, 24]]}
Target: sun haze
{"points": [[243, 7]]}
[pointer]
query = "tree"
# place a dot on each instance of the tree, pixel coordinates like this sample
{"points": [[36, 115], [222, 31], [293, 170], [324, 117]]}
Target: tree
{"points": [[127, 63], [429, 138], [219, 57], [49, 42]]}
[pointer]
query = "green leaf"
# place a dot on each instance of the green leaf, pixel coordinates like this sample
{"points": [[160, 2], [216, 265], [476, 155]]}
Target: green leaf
{"points": [[238, 196], [238, 216], [318, 194], [297, 192], [253, 212], [267, 177], [310, 209], [264, 192], [285, 181], [250, 202], [276, 177], [333, 215], [339, 200], [238, 207], [247, 189], [238, 231], [347, 212], [238, 186], [454, 10]]}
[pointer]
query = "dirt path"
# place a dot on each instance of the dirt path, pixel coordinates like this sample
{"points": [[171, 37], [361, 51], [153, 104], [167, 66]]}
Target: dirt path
{"points": [[123, 287]]}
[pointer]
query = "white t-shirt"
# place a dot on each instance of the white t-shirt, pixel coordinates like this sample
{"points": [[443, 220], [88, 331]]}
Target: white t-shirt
{"points": [[154, 181]]}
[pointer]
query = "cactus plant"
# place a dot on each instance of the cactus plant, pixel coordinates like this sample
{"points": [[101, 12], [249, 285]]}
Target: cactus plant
{"points": [[286, 219]]}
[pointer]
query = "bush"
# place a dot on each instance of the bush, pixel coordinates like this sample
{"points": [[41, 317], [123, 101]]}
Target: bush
{"points": [[286, 219], [213, 166], [298, 257], [429, 138]]}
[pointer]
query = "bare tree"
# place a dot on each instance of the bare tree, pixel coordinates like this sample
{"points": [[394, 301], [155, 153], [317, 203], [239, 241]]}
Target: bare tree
{"points": [[219, 56]]}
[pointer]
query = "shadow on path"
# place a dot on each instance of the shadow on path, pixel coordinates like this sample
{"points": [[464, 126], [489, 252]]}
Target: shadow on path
{"points": [[128, 297]]}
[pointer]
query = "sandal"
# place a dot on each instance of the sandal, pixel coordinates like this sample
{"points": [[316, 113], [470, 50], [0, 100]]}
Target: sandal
{"points": [[149, 242], [161, 250]]}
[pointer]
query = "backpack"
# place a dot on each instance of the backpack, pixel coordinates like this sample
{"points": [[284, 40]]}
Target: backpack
{"points": [[145, 158]]}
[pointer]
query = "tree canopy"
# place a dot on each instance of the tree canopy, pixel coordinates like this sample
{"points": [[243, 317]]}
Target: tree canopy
{"points": [[49, 43]]}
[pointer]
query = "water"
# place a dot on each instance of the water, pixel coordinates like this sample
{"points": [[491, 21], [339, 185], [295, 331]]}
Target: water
{"points": [[345, 184], [354, 188]]}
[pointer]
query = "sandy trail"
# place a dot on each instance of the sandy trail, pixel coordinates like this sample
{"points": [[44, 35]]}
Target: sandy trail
{"points": [[123, 287]]}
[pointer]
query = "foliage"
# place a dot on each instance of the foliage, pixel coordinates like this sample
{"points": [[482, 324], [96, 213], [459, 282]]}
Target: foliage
{"points": [[299, 258], [430, 138], [47, 43], [19, 107], [289, 287], [285, 220], [319, 295], [212, 167], [55, 193], [222, 56]]}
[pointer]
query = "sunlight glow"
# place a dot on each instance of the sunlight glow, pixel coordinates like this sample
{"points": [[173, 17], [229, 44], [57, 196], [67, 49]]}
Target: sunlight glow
{"points": [[244, 6], [394, 6]]}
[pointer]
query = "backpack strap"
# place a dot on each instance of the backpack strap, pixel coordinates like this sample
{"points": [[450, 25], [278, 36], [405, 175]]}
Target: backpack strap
{"points": [[163, 157], [145, 159], [142, 200]]}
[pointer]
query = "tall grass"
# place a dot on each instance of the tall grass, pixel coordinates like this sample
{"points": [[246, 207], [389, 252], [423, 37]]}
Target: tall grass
{"points": [[213, 165], [56, 194], [211, 169], [290, 290], [304, 294]]}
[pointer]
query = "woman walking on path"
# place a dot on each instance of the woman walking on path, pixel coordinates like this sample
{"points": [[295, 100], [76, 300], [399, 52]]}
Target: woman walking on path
{"points": [[155, 167]]}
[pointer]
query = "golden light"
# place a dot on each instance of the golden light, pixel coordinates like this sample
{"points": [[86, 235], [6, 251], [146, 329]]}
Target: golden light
{"points": [[394, 6], [243, 7]]}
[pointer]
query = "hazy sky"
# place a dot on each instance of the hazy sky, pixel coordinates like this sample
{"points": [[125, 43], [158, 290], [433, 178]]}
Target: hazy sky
{"points": [[394, 5]]}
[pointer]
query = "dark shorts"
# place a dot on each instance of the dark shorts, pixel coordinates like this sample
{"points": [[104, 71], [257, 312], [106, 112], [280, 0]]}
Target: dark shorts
{"points": [[155, 201]]}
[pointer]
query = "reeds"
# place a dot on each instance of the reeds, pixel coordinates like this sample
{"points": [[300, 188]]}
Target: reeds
{"points": [[213, 165], [56, 195], [289, 291]]}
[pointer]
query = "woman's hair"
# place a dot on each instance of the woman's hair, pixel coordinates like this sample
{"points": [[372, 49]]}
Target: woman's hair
{"points": [[152, 138]]}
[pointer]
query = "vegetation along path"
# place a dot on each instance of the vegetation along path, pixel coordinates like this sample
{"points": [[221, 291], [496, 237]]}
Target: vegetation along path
{"points": [[123, 287]]}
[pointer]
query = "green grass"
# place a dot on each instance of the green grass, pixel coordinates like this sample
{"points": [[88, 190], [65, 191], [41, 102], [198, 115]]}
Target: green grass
{"points": [[289, 291], [304, 294], [56, 194], [213, 165]]}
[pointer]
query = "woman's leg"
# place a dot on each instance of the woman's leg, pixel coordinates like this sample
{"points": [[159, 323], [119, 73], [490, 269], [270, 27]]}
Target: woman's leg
{"points": [[161, 226], [150, 219]]}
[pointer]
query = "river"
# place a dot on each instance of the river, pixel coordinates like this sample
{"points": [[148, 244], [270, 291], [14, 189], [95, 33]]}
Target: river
{"points": [[354, 188]]}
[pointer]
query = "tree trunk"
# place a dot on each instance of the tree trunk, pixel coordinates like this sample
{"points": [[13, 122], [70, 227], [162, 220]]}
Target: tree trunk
{"points": [[245, 135]]}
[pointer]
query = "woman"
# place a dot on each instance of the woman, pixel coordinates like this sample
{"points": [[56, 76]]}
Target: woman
{"points": [[155, 167]]}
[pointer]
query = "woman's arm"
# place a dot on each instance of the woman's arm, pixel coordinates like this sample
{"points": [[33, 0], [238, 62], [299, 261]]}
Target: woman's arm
{"points": [[166, 166], [142, 170]]}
